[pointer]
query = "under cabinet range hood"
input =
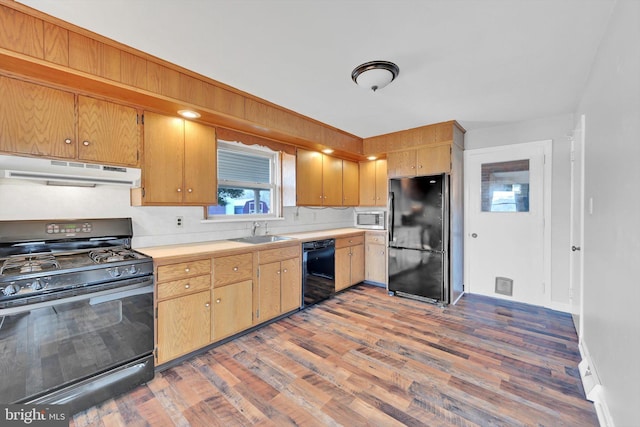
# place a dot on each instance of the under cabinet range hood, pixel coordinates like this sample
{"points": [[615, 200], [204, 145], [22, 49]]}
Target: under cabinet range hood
{"points": [[63, 172]]}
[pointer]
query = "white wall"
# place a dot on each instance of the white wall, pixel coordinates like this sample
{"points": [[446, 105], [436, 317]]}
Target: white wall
{"points": [[611, 104], [557, 129], [152, 226]]}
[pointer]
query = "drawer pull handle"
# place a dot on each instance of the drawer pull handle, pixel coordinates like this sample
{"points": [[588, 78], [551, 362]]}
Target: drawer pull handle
{"points": [[235, 268], [187, 286], [218, 300]]}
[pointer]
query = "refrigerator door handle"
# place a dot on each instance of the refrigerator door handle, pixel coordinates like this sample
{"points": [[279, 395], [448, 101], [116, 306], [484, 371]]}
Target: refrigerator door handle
{"points": [[391, 217]]}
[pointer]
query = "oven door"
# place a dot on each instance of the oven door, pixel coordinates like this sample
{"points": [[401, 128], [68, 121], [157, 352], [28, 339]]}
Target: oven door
{"points": [[51, 345]]}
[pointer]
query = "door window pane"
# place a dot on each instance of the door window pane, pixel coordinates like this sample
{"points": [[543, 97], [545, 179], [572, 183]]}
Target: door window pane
{"points": [[505, 186]]}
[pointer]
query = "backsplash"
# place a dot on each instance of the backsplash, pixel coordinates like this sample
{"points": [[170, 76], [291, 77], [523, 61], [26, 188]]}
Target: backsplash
{"points": [[152, 225]]}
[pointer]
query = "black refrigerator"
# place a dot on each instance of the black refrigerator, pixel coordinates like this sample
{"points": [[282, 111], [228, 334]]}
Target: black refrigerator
{"points": [[419, 238]]}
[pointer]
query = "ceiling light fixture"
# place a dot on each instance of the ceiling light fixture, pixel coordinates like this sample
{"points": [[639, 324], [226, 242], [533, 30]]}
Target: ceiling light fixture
{"points": [[375, 75], [189, 114], [327, 151]]}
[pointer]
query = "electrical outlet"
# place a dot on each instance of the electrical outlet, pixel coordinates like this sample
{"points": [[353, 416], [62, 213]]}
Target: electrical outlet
{"points": [[179, 221]]}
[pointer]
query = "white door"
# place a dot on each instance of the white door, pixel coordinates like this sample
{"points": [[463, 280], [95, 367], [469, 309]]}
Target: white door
{"points": [[576, 230], [507, 247]]}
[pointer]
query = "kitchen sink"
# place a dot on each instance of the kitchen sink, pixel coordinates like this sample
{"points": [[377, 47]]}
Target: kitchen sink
{"points": [[259, 239]]}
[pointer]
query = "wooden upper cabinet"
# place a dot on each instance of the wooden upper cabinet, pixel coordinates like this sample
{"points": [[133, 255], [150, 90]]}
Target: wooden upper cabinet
{"points": [[421, 161], [373, 183], [331, 181], [36, 120], [309, 178], [200, 164], [107, 132], [323, 180], [350, 183], [179, 165]]}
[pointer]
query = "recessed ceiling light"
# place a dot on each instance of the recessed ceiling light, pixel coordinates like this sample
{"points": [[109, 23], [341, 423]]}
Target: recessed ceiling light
{"points": [[371, 158], [189, 114], [327, 151]]}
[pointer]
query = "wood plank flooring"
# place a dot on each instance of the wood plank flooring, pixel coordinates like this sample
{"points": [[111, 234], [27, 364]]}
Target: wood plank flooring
{"points": [[364, 358]]}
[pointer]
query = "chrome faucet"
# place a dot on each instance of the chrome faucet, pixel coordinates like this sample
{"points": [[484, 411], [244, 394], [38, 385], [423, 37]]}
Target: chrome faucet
{"points": [[254, 227]]}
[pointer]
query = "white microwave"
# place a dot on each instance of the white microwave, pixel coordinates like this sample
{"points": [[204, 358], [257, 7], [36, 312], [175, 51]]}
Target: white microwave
{"points": [[375, 220]]}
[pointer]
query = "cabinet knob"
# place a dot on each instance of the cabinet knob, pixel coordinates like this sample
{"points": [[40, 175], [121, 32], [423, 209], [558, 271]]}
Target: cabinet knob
{"points": [[189, 190], [218, 300], [278, 272], [420, 167], [207, 305], [186, 270], [413, 167], [67, 141], [187, 286], [285, 270], [85, 143], [381, 252], [235, 268], [179, 190]]}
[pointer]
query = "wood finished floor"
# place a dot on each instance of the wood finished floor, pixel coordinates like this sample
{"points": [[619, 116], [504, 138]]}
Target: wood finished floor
{"points": [[364, 358]]}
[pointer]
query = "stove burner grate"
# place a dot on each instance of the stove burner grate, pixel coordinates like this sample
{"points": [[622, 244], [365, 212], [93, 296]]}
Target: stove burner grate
{"points": [[111, 255], [30, 264]]}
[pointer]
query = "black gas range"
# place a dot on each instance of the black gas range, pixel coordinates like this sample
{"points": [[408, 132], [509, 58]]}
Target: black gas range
{"points": [[76, 311]]}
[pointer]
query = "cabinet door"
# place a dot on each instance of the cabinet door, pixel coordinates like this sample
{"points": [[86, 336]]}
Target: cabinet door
{"points": [[163, 159], [357, 264], [108, 132], [268, 291], [368, 183], [184, 325], [291, 285], [375, 262], [200, 172], [308, 178], [232, 309], [331, 181], [343, 268], [36, 120], [434, 160], [402, 163], [350, 183], [382, 182]]}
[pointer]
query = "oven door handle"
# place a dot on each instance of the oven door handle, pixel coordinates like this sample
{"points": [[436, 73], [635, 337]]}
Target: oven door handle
{"points": [[142, 287]]}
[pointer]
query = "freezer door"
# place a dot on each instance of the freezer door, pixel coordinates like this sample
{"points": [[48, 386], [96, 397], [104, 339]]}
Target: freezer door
{"points": [[418, 273]]}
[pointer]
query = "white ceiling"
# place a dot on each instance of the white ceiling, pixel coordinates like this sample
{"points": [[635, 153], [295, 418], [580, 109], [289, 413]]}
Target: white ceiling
{"points": [[481, 62]]}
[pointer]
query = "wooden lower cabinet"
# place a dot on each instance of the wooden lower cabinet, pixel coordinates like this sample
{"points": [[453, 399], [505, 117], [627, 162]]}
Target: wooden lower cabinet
{"points": [[206, 299], [183, 325], [279, 287], [349, 261], [232, 307], [376, 257]]}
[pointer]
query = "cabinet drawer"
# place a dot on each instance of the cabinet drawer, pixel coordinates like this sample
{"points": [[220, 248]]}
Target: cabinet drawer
{"points": [[349, 241], [183, 286], [375, 238], [183, 269], [272, 255], [232, 269]]}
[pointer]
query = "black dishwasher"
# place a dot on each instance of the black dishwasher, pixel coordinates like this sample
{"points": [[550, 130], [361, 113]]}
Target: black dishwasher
{"points": [[318, 275]]}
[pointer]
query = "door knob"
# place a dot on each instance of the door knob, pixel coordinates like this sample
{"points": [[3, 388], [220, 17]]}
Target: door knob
{"points": [[575, 248], [474, 235]]}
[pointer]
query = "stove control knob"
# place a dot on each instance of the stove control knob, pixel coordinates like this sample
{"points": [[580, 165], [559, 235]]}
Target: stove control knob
{"points": [[114, 272], [133, 270], [11, 290], [36, 285]]}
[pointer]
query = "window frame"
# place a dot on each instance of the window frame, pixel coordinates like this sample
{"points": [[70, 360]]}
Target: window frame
{"points": [[275, 184]]}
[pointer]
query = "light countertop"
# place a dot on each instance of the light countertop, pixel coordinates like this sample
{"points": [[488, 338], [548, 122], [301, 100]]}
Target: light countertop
{"points": [[211, 247]]}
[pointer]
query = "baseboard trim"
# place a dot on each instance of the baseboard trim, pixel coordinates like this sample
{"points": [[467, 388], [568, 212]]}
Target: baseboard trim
{"points": [[593, 387]]}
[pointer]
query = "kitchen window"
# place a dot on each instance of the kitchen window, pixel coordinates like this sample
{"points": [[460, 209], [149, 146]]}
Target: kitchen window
{"points": [[248, 182]]}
